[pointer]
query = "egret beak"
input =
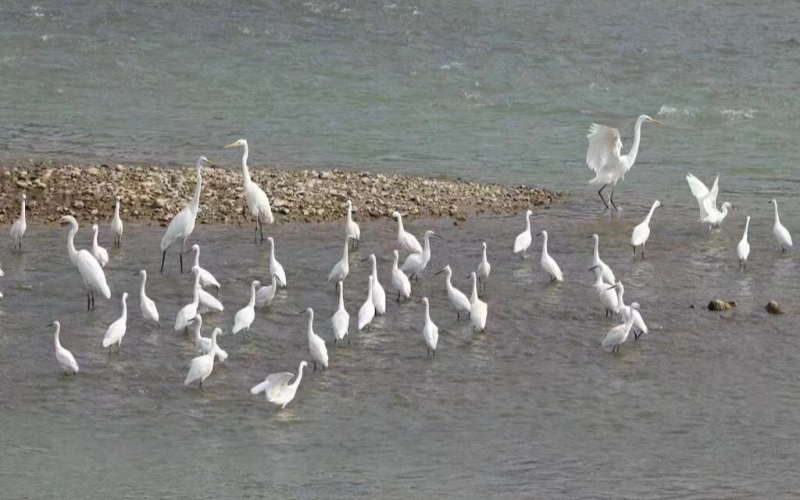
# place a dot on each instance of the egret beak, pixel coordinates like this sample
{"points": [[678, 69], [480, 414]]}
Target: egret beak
{"points": [[301, 312], [136, 274], [592, 268], [612, 287], [440, 272], [365, 259], [231, 145], [538, 234], [590, 237], [655, 121], [211, 163]]}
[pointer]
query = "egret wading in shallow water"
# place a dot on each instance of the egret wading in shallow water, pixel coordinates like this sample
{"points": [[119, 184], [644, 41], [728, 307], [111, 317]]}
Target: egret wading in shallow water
{"points": [[63, 356], [608, 297], [430, 332], [275, 267], [277, 387], [19, 226], [367, 311], [743, 248], [478, 309], [342, 268], [316, 346], [607, 273], [256, 198], [417, 262], [642, 232], [548, 263], [780, 232], [618, 335], [188, 312], [456, 296], [244, 318], [604, 155], [149, 311], [118, 328], [87, 265], [378, 293], [351, 229], [400, 281], [266, 294], [405, 240], [206, 278], [707, 200], [182, 225], [207, 303], [340, 321], [484, 268], [116, 224], [204, 345], [202, 366], [630, 311], [524, 239], [98, 252]]}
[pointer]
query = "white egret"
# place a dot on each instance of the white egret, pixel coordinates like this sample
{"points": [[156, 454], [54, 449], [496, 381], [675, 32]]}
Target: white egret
{"points": [[478, 309], [743, 248], [780, 232], [203, 344], [367, 311], [63, 356], [149, 311], [340, 321], [256, 198], [202, 366], [117, 329], [277, 387], [116, 224], [642, 232], [188, 312], [484, 268], [342, 268], [87, 265], [524, 239], [618, 335], [182, 225], [707, 200], [604, 155], [19, 226], [400, 281], [98, 252], [405, 240], [548, 263], [608, 297], [631, 310], [266, 294], [607, 273], [430, 332], [456, 296], [275, 267], [316, 346], [244, 318], [208, 303], [416, 262], [351, 229], [378, 293], [206, 278]]}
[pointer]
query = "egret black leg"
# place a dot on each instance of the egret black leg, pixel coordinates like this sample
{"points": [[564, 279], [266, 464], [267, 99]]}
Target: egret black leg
{"points": [[601, 195], [255, 235], [92, 292], [315, 366], [163, 256], [88, 301], [261, 228], [348, 339], [611, 199], [180, 255]]}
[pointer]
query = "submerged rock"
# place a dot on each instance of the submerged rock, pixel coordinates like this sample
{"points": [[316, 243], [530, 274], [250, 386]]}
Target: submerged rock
{"points": [[772, 307], [721, 305]]}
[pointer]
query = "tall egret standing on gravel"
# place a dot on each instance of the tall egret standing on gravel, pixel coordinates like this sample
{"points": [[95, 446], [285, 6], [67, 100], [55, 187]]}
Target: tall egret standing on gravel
{"points": [[117, 329], [456, 296], [202, 366], [116, 224], [400, 281], [340, 321], [780, 232], [19, 226], [342, 268], [378, 293], [523, 240], [603, 155], [618, 335], [351, 229], [743, 248], [478, 309], [266, 294], [182, 225], [188, 312], [484, 268], [256, 198], [63, 356], [416, 262], [607, 273], [98, 252], [608, 297], [642, 232], [430, 332], [203, 344], [88, 267], [367, 311], [244, 318], [149, 311], [275, 267], [316, 345], [206, 278], [277, 387], [548, 263], [405, 240]]}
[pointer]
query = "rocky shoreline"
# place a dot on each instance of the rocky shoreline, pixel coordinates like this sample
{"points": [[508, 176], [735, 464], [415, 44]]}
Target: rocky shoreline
{"points": [[154, 194]]}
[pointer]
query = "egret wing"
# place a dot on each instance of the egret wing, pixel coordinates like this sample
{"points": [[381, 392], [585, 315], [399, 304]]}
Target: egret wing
{"points": [[605, 145], [276, 383], [95, 276], [176, 228], [701, 193]]}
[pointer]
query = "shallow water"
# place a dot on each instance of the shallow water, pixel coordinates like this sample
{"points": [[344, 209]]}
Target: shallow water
{"points": [[705, 406]]}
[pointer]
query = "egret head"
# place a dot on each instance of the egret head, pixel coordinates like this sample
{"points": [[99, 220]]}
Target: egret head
{"points": [[124, 296], [648, 119], [594, 237], [142, 273], [303, 364], [217, 331], [636, 305], [396, 255], [446, 269], [195, 248], [239, 143], [773, 201], [542, 234], [726, 205], [256, 283], [24, 198], [424, 300], [528, 213], [118, 198], [396, 215], [95, 228], [657, 204], [55, 324], [68, 220]]}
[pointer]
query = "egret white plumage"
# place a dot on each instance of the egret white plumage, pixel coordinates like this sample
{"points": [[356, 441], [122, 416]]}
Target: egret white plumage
{"points": [[340, 321], [316, 346], [206, 278], [118, 328], [351, 229], [524, 239], [608, 297], [188, 312], [484, 268], [378, 293], [478, 309], [208, 303], [277, 387], [203, 344], [642, 232], [707, 200], [618, 335], [416, 262], [149, 311], [367, 311], [604, 155], [116, 224], [275, 267], [98, 252], [256, 198], [400, 281], [266, 294], [405, 240], [182, 225], [63, 356], [631, 310], [88, 267], [19, 226], [607, 273], [202, 366], [430, 332], [342, 268], [456, 296], [244, 318], [548, 263], [780, 232], [743, 248]]}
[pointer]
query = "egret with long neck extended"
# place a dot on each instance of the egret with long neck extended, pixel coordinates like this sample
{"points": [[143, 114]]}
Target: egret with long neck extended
{"points": [[256, 198]]}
